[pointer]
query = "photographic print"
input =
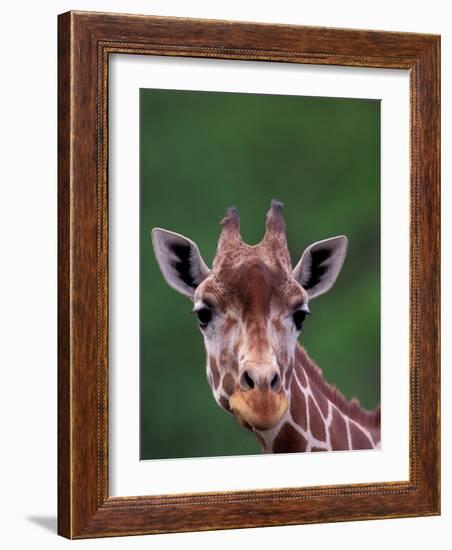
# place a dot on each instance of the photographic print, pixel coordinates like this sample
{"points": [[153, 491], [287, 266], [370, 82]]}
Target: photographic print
{"points": [[259, 274], [248, 274]]}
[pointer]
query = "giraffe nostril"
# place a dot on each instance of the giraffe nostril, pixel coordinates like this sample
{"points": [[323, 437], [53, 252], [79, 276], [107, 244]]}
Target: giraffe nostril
{"points": [[250, 380], [275, 382], [246, 381]]}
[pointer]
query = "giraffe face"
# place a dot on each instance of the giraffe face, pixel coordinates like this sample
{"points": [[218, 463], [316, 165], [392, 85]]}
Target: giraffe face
{"points": [[251, 311], [250, 307]]}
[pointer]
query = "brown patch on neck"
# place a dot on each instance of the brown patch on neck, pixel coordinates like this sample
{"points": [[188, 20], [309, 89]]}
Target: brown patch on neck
{"points": [[288, 374], [316, 422], [289, 440], [338, 432], [320, 399], [298, 406], [359, 438], [300, 374]]}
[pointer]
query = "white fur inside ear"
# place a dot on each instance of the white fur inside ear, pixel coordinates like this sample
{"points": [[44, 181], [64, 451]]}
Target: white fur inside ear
{"points": [[179, 260], [320, 264]]}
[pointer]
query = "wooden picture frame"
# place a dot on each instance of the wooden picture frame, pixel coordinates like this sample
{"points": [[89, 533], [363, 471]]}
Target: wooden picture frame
{"points": [[85, 42]]}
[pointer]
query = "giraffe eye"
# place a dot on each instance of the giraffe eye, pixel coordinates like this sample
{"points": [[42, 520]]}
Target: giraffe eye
{"points": [[204, 316], [298, 317]]}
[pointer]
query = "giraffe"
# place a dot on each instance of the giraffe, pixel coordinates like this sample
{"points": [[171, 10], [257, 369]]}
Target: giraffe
{"points": [[251, 307]]}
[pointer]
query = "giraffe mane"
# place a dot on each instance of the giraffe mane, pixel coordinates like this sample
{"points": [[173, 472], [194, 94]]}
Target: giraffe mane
{"points": [[351, 408]]}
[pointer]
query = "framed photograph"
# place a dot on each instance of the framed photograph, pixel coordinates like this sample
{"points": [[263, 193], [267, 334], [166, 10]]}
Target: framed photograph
{"points": [[248, 275]]}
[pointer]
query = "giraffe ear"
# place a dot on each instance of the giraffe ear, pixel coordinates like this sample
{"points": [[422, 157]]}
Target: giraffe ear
{"points": [[320, 264], [179, 260]]}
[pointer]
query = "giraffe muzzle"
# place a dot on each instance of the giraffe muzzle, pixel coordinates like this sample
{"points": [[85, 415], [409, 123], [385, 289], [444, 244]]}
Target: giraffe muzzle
{"points": [[257, 408]]}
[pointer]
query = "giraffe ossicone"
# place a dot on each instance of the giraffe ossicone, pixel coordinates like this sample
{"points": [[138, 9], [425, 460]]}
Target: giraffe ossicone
{"points": [[251, 306]]}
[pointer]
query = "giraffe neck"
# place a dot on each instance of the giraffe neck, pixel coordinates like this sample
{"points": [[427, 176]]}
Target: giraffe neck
{"points": [[319, 418]]}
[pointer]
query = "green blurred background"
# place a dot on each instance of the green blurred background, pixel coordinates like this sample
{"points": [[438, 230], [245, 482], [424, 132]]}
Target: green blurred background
{"points": [[201, 152]]}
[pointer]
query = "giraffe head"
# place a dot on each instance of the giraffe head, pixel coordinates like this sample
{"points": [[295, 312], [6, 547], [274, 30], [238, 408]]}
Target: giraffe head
{"points": [[250, 306]]}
